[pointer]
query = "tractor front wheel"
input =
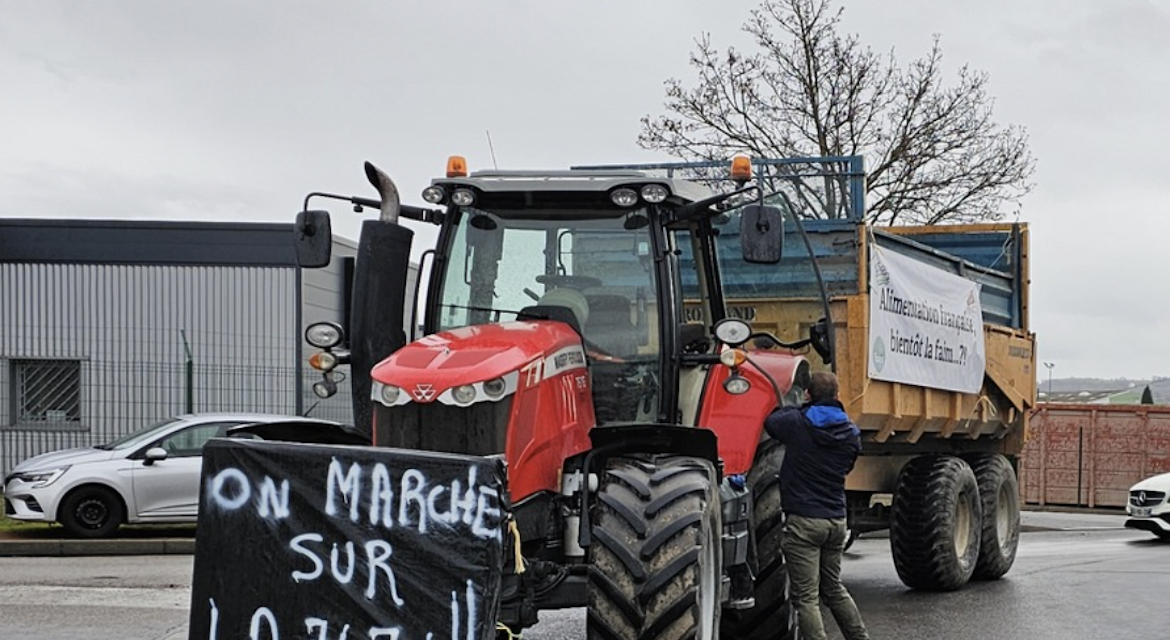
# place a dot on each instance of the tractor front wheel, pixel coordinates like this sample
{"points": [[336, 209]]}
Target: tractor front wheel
{"points": [[655, 559]]}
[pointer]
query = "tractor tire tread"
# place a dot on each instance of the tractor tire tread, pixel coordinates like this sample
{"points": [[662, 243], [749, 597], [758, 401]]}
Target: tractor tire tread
{"points": [[644, 572]]}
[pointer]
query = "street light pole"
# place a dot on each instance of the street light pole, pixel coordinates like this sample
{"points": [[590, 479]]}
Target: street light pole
{"points": [[1050, 366]]}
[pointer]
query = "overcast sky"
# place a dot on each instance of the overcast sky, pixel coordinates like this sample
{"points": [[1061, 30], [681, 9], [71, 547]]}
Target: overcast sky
{"points": [[234, 110]]}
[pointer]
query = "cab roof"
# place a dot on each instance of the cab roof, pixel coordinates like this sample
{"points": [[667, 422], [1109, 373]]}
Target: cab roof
{"points": [[574, 180]]}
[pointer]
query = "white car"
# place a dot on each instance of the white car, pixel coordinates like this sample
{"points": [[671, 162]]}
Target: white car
{"points": [[149, 476], [1149, 506]]}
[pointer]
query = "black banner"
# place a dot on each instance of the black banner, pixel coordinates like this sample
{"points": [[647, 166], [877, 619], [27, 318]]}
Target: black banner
{"points": [[346, 543]]}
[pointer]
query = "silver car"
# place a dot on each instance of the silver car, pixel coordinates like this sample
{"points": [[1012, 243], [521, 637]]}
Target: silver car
{"points": [[149, 476]]}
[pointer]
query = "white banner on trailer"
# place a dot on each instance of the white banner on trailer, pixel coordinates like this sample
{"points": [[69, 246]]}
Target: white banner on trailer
{"points": [[926, 325]]}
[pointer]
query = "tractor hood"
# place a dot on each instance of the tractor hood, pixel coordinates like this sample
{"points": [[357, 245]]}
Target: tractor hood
{"points": [[429, 367]]}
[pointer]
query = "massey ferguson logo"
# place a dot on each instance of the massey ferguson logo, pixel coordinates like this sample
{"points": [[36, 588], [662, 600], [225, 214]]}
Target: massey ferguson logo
{"points": [[424, 392]]}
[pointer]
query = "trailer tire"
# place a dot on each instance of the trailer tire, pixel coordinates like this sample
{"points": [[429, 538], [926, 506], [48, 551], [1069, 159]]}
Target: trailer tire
{"points": [[935, 523], [656, 554], [999, 493], [772, 617]]}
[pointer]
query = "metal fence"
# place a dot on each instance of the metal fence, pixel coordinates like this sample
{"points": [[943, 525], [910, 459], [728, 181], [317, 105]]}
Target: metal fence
{"points": [[114, 399], [1089, 455]]}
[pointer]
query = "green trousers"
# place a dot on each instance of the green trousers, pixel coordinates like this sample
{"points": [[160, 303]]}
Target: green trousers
{"points": [[812, 548]]}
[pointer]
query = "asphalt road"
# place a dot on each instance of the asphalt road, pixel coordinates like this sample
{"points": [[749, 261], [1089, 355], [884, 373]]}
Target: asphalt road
{"points": [[1076, 576], [95, 597]]}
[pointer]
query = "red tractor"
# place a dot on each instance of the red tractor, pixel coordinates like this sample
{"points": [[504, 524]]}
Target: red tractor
{"points": [[555, 335]]}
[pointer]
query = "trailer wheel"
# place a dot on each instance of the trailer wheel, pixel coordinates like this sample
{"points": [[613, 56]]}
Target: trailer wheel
{"points": [[935, 523], [999, 492], [772, 617], [656, 556]]}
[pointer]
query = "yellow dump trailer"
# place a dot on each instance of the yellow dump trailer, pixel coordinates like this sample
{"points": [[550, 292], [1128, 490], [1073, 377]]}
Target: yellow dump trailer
{"points": [[893, 412], [924, 435]]}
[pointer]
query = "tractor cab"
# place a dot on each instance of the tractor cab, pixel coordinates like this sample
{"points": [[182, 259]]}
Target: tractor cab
{"points": [[560, 301], [618, 249]]}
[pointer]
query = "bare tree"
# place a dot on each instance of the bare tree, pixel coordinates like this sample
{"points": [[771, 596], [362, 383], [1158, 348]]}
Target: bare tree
{"points": [[933, 152]]}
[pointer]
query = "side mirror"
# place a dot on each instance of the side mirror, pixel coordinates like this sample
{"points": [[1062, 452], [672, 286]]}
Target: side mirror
{"points": [[761, 234], [153, 455], [314, 239]]}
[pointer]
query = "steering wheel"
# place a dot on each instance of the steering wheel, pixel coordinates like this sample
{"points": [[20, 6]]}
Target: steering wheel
{"points": [[571, 282]]}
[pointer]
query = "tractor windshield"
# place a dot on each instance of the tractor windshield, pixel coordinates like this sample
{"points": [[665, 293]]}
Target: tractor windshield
{"points": [[500, 262]]}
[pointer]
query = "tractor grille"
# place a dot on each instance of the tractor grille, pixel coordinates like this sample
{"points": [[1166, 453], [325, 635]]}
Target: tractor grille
{"points": [[1146, 498], [479, 429]]}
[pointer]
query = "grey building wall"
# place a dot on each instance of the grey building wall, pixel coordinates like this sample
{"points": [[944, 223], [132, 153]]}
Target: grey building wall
{"points": [[127, 304], [131, 329]]}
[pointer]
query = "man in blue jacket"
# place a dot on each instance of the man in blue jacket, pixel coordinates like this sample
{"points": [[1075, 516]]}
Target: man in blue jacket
{"points": [[821, 444]]}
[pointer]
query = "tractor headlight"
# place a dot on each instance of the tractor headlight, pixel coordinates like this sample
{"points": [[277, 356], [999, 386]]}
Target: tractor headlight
{"points": [[324, 335], [463, 394], [434, 194], [733, 331], [324, 389], [654, 193], [463, 197], [736, 385], [624, 197], [495, 388], [387, 394]]}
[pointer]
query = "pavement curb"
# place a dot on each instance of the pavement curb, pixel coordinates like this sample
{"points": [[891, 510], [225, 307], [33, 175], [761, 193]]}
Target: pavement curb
{"points": [[158, 546]]}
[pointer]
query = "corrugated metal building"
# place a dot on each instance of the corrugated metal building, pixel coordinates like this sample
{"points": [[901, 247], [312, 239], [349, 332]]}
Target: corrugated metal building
{"points": [[107, 326]]}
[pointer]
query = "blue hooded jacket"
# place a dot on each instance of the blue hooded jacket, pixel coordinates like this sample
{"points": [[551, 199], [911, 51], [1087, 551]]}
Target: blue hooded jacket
{"points": [[821, 444]]}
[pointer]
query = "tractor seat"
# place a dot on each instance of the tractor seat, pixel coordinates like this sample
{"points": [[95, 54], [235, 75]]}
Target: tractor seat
{"points": [[550, 312], [563, 304], [610, 326]]}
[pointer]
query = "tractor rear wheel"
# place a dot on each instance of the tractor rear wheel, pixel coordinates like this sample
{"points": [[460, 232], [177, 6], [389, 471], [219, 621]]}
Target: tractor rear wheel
{"points": [[935, 523], [772, 617], [999, 492], [655, 559]]}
